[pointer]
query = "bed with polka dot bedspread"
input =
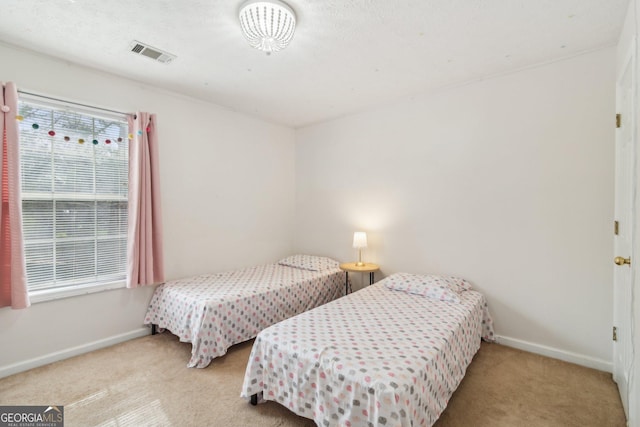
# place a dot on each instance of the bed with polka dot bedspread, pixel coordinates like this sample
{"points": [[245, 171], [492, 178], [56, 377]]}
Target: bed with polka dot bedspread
{"points": [[215, 311], [378, 357]]}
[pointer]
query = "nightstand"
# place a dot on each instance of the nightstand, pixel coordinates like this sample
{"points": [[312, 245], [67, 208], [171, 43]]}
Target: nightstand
{"points": [[352, 267]]}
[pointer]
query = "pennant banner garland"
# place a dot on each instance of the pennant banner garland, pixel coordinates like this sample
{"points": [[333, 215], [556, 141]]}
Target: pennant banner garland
{"points": [[52, 133]]}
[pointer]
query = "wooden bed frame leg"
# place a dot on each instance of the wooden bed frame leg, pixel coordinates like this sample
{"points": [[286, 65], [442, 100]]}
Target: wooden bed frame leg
{"points": [[154, 329], [254, 399]]}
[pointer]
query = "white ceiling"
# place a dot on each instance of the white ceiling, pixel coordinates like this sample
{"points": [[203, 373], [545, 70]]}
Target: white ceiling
{"points": [[346, 55]]}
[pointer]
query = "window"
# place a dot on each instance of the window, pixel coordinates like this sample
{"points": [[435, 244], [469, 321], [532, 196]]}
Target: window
{"points": [[74, 171]]}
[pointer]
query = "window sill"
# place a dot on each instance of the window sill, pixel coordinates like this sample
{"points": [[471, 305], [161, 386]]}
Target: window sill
{"points": [[72, 291]]}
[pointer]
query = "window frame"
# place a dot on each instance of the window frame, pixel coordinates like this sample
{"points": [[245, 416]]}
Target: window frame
{"points": [[71, 290]]}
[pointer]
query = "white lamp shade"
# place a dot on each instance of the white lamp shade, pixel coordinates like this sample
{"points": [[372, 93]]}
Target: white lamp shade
{"points": [[359, 239], [268, 25]]}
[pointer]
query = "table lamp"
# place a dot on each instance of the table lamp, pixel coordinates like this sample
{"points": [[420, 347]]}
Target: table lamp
{"points": [[359, 242]]}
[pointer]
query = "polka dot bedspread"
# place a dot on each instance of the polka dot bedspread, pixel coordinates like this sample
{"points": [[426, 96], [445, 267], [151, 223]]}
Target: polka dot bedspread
{"points": [[215, 311], [378, 357]]}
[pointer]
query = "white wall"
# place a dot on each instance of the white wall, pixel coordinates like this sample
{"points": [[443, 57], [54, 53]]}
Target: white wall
{"points": [[227, 196], [507, 182]]}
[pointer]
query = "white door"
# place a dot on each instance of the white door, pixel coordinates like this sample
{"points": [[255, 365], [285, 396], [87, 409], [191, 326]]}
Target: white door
{"points": [[624, 214]]}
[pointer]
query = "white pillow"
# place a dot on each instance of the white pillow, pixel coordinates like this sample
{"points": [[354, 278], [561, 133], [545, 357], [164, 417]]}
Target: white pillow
{"points": [[456, 284], [310, 262], [443, 288]]}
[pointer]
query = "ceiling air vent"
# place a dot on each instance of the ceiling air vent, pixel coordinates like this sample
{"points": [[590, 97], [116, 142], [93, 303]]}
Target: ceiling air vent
{"points": [[151, 52]]}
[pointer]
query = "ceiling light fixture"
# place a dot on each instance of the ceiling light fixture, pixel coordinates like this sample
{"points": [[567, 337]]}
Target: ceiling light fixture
{"points": [[267, 25]]}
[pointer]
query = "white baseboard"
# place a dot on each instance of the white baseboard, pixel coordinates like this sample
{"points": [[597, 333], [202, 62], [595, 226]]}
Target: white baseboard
{"points": [[567, 356], [15, 368]]}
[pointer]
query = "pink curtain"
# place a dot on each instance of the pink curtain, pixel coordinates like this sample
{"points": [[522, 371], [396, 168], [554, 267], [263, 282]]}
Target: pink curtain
{"points": [[145, 263], [13, 271]]}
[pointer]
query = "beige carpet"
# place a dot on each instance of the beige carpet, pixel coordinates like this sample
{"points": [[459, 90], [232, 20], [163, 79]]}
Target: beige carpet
{"points": [[145, 382]]}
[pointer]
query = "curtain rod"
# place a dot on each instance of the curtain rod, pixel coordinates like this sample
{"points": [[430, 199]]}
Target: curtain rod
{"points": [[74, 103]]}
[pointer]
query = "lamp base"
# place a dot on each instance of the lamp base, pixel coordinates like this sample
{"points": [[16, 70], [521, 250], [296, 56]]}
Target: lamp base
{"points": [[359, 263]]}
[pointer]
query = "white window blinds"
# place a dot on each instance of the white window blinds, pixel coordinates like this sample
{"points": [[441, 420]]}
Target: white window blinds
{"points": [[74, 171]]}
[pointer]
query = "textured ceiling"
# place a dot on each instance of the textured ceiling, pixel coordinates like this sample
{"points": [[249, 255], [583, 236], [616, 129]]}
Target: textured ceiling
{"points": [[346, 55]]}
